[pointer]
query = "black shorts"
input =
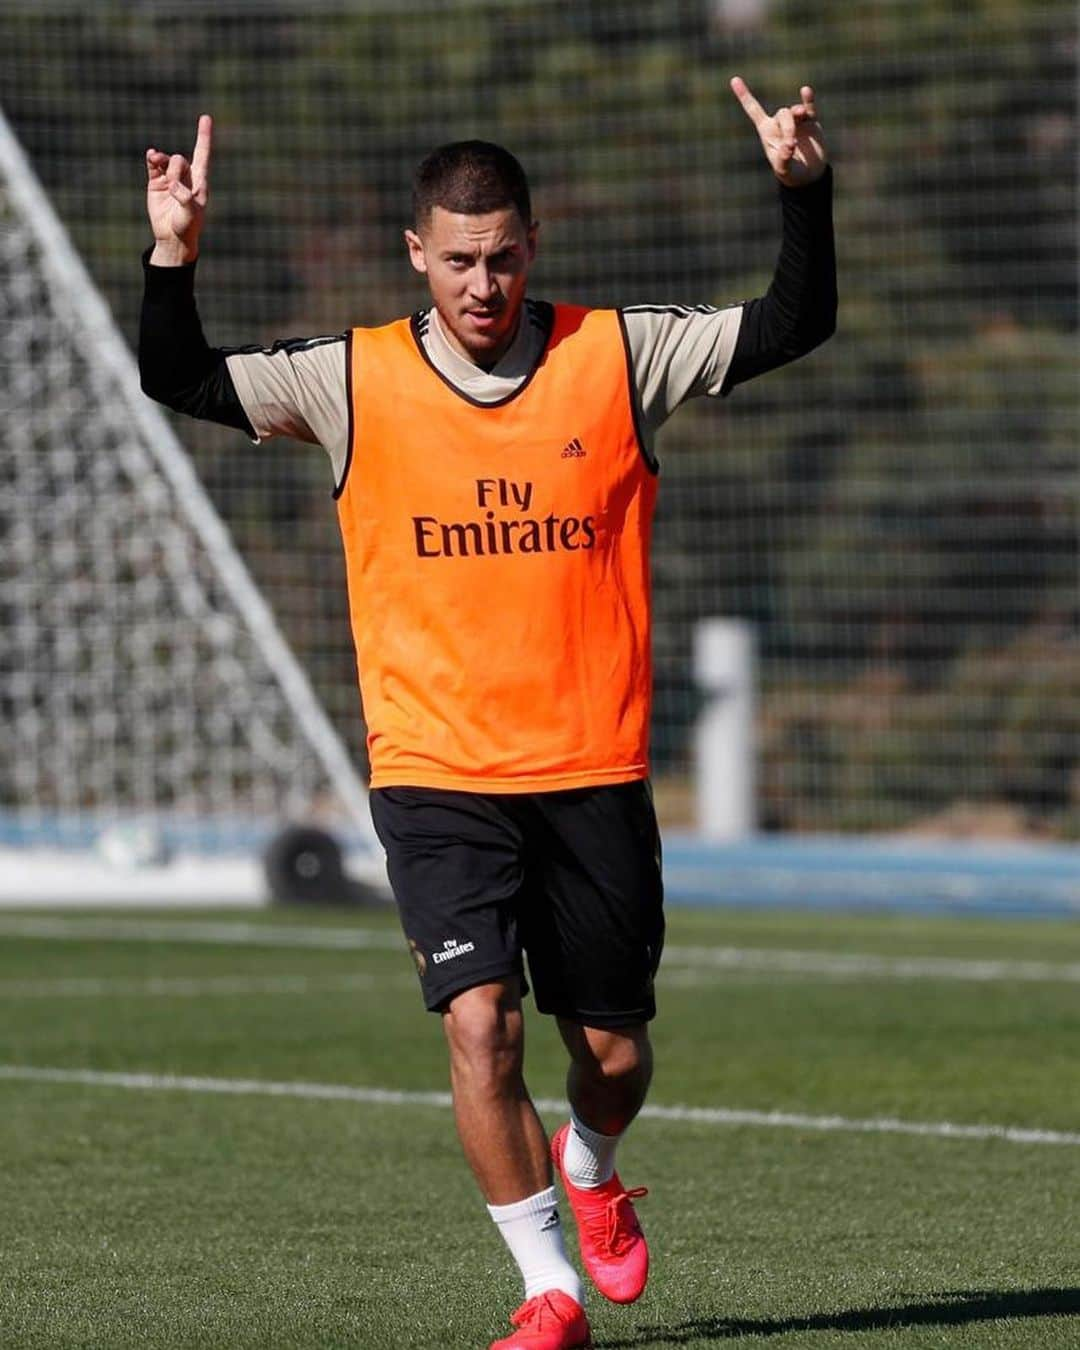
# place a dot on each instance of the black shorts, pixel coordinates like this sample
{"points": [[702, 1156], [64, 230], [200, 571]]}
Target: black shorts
{"points": [[571, 878]]}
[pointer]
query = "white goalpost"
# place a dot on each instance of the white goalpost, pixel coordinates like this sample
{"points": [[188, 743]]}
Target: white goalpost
{"points": [[144, 677]]}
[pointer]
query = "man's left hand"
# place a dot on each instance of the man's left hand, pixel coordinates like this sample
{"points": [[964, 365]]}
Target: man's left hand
{"points": [[792, 137]]}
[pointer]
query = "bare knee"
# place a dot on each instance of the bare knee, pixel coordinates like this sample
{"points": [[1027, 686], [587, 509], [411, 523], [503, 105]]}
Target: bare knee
{"points": [[485, 1033], [612, 1054]]}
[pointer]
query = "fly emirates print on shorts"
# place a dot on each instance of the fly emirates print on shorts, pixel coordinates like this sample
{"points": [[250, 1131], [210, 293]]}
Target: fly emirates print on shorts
{"points": [[497, 557]]}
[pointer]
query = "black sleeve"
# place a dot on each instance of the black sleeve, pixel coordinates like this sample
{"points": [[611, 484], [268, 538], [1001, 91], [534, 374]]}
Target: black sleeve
{"points": [[176, 365], [799, 309]]}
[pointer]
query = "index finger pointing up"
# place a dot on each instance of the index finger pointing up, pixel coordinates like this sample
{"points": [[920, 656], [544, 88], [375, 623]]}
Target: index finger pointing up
{"points": [[200, 159], [752, 107]]}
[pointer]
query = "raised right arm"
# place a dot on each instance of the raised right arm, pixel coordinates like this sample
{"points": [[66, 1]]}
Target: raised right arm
{"points": [[176, 364], [295, 388]]}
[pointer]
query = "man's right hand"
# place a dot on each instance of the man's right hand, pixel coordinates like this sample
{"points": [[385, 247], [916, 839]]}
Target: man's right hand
{"points": [[176, 196]]}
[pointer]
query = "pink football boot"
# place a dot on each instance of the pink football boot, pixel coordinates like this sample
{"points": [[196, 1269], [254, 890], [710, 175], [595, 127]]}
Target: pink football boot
{"points": [[612, 1244]]}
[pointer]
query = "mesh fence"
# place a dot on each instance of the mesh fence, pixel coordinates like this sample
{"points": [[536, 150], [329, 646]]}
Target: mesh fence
{"points": [[897, 515]]}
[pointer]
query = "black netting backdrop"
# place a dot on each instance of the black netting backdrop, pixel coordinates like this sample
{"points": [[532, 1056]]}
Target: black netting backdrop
{"points": [[897, 514]]}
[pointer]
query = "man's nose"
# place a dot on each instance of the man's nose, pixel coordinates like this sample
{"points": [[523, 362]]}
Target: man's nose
{"points": [[484, 283]]}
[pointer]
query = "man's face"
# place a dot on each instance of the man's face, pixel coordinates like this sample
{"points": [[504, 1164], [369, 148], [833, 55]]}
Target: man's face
{"points": [[476, 267]]}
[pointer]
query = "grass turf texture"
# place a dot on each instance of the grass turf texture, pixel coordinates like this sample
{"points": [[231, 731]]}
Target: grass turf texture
{"points": [[158, 1218]]}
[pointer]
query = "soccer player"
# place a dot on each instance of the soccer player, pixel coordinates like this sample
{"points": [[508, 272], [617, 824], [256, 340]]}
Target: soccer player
{"points": [[495, 476]]}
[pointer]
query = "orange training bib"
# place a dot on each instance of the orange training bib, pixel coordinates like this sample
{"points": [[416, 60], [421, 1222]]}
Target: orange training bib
{"points": [[498, 565]]}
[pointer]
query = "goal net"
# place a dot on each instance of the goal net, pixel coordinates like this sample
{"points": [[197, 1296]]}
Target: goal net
{"points": [[144, 677]]}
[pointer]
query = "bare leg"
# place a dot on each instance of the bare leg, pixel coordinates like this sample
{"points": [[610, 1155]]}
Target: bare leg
{"points": [[500, 1132], [609, 1074]]}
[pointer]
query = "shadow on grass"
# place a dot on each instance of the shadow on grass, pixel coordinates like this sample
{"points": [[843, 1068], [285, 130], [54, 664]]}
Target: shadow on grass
{"points": [[952, 1308]]}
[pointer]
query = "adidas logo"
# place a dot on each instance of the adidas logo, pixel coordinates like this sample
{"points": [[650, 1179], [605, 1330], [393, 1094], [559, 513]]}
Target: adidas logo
{"points": [[552, 1221], [451, 948], [575, 450]]}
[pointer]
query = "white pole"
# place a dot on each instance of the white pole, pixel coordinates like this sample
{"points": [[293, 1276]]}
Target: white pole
{"points": [[724, 741], [103, 340]]}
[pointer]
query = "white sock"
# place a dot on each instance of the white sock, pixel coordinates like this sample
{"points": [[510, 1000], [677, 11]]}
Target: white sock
{"points": [[533, 1232], [589, 1157]]}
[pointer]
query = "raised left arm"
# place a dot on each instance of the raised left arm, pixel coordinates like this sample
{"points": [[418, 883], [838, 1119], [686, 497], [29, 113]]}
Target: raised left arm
{"points": [[798, 312]]}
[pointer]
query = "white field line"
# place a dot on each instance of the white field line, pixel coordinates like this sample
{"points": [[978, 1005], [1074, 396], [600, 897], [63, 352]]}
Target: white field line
{"points": [[196, 986], [688, 959], [225, 934], [695, 1115], [862, 965]]}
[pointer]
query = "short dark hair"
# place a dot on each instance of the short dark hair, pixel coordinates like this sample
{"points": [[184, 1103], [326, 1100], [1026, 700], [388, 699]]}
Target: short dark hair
{"points": [[470, 178]]}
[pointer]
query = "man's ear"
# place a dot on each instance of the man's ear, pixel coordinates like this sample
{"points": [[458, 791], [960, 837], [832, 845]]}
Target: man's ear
{"points": [[531, 239], [415, 245]]}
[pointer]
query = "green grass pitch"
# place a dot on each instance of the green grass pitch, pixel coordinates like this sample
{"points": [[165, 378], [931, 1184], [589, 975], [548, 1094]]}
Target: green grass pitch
{"points": [[158, 1217]]}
